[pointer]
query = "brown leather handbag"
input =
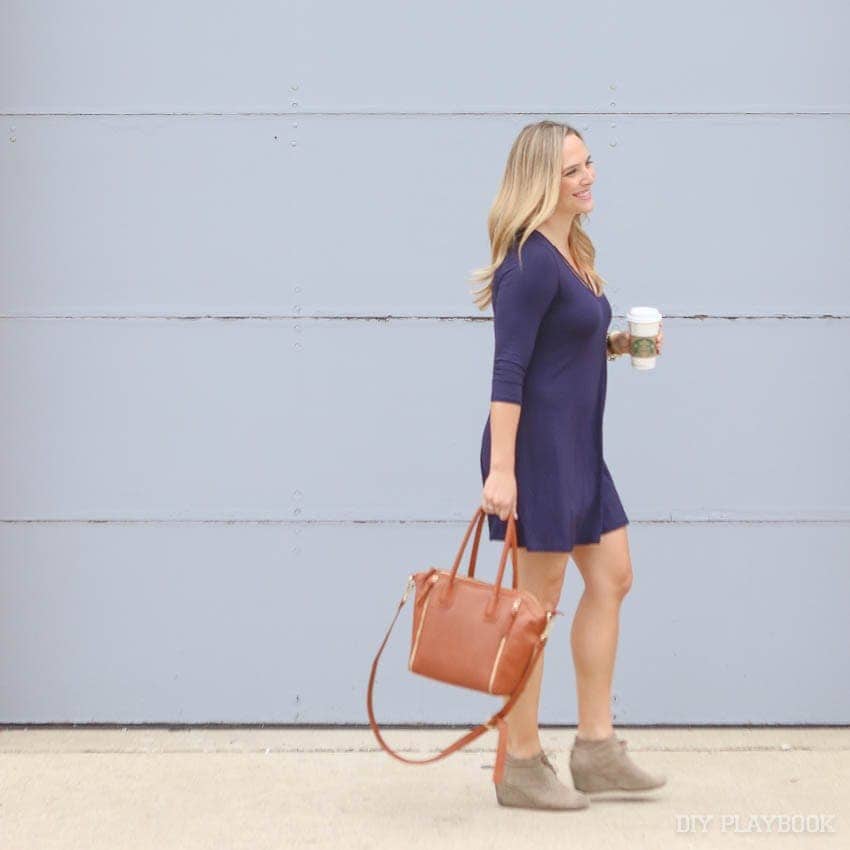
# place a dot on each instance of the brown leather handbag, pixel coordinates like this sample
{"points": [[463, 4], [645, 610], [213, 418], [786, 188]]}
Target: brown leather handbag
{"points": [[473, 634]]}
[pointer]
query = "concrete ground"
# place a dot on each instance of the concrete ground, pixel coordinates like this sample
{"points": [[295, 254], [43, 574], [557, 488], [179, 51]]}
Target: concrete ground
{"points": [[227, 789]]}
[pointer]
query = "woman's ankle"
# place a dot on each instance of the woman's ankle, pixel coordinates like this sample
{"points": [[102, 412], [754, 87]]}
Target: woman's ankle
{"points": [[524, 751], [594, 734]]}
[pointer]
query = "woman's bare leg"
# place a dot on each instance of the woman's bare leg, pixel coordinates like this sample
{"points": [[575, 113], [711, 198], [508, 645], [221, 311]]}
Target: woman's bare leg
{"points": [[541, 573], [607, 572]]}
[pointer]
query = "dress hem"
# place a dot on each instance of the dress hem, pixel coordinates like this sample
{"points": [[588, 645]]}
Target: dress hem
{"points": [[531, 546]]}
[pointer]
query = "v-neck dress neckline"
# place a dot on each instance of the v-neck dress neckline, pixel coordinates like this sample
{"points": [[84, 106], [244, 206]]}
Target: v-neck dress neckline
{"points": [[568, 264]]}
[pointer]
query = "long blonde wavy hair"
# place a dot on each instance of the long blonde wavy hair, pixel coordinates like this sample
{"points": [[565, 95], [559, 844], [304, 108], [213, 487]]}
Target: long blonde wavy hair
{"points": [[528, 195]]}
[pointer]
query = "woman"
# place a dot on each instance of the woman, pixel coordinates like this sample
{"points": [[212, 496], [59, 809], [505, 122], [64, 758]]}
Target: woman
{"points": [[541, 451]]}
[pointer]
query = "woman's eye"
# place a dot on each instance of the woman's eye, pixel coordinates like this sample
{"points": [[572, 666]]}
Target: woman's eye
{"points": [[570, 173]]}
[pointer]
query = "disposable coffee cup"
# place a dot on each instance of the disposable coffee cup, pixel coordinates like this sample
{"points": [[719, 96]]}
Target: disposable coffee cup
{"points": [[644, 323]]}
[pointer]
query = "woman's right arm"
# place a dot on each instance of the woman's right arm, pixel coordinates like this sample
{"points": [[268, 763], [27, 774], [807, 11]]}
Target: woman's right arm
{"points": [[500, 493], [524, 296]]}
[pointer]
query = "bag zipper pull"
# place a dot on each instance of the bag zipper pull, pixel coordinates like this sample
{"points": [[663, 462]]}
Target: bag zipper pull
{"points": [[411, 584]]}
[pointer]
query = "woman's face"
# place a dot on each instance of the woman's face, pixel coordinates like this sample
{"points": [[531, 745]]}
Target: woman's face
{"points": [[577, 176]]}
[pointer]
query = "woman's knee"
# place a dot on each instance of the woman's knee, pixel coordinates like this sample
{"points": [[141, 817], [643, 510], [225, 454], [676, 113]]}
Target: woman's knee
{"points": [[614, 582], [606, 567], [542, 573], [619, 579], [625, 579]]}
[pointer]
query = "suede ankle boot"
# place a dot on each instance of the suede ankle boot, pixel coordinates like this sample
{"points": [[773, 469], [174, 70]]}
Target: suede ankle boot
{"points": [[532, 783], [602, 766]]}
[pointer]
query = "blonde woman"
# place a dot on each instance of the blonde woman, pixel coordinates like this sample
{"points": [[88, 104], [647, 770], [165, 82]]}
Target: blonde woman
{"points": [[541, 451]]}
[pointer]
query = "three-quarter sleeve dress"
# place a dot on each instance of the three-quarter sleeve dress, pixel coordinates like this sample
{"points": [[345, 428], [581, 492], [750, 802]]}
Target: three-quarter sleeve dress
{"points": [[550, 358]]}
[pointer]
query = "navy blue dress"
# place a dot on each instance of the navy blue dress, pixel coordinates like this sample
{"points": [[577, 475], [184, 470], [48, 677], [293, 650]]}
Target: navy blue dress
{"points": [[550, 358]]}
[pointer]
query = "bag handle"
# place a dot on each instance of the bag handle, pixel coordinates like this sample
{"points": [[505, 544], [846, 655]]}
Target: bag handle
{"points": [[497, 720], [510, 541]]}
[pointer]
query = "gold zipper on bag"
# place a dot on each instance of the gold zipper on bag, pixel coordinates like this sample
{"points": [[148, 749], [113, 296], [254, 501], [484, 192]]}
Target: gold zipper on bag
{"points": [[532, 599], [514, 610], [434, 579]]}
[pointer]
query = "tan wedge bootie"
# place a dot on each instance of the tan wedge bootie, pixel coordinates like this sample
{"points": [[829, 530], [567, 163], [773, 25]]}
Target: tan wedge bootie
{"points": [[603, 766], [532, 783]]}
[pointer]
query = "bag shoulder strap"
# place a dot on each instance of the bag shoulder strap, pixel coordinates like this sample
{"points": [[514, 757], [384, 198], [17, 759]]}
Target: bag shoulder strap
{"points": [[496, 720]]}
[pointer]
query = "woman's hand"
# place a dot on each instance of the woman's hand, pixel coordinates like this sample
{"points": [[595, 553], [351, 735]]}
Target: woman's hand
{"points": [[499, 495], [621, 341]]}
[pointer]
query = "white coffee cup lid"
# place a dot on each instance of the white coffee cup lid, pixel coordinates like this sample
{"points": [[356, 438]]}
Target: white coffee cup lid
{"points": [[643, 314]]}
